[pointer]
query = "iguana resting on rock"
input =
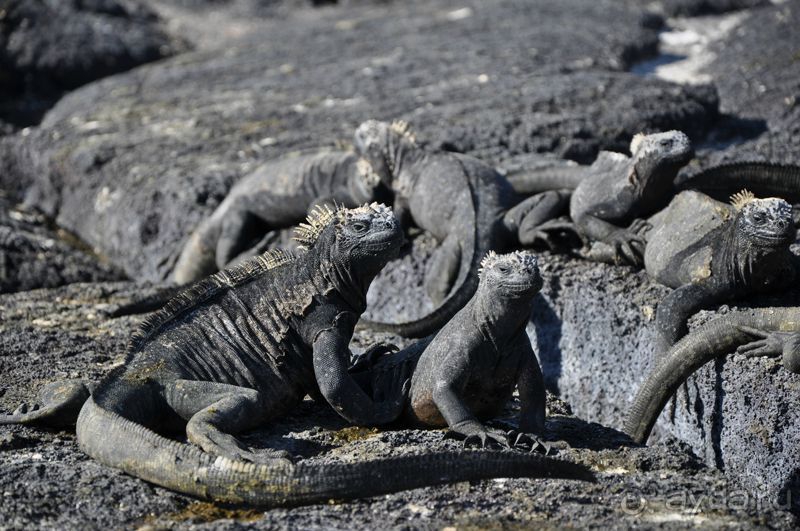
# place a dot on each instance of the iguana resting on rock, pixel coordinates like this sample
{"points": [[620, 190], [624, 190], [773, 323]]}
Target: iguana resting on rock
{"points": [[279, 194], [777, 331], [463, 202], [611, 196], [245, 345], [468, 371], [711, 252]]}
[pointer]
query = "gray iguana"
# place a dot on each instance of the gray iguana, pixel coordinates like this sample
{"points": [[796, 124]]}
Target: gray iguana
{"points": [[245, 345], [278, 194], [468, 370], [776, 332], [463, 202], [611, 196], [711, 252]]}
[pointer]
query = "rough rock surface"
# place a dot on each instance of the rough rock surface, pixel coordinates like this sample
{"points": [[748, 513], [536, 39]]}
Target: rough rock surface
{"points": [[46, 481], [540, 80], [132, 163], [34, 254], [48, 47], [595, 337], [757, 72]]}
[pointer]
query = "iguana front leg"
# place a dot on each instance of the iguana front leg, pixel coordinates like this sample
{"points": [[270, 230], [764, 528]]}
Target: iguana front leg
{"points": [[342, 392], [676, 308], [453, 374], [628, 244]]}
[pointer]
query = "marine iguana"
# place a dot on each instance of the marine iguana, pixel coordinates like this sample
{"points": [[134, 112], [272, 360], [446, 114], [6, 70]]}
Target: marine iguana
{"points": [[278, 194], [245, 345], [463, 202], [612, 195], [777, 332], [468, 370], [710, 252]]}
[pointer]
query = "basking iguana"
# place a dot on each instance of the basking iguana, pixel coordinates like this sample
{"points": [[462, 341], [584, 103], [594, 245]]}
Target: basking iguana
{"points": [[469, 369], [710, 252], [278, 194], [611, 196], [777, 331], [244, 346], [463, 202]]}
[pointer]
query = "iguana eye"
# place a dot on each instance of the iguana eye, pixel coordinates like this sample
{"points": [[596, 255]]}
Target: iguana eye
{"points": [[759, 217], [503, 268], [360, 226]]}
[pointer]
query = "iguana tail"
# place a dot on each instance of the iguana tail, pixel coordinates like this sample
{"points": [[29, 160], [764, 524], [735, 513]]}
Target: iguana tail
{"points": [[764, 179], [717, 338], [433, 320], [123, 444], [533, 181]]}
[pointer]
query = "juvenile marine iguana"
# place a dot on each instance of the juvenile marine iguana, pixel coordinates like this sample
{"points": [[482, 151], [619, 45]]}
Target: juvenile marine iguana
{"points": [[279, 194], [245, 345], [710, 252], [463, 202], [469, 369], [611, 196], [777, 331]]}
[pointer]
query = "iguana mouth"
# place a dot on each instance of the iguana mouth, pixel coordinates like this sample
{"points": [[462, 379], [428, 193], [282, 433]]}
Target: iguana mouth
{"points": [[521, 287], [394, 241]]}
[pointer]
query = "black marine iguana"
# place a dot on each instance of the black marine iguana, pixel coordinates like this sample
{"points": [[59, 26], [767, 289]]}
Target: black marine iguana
{"points": [[245, 345], [279, 194], [469, 369], [463, 202], [777, 332], [710, 252], [612, 195]]}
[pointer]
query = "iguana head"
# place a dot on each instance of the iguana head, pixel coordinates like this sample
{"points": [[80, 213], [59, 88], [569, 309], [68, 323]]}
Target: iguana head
{"points": [[510, 276], [358, 241], [763, 223], [660, 155], [379, 142]]}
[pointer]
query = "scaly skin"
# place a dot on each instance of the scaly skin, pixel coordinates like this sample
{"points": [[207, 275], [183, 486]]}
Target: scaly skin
{"points": [[244, 346], [777, 332], [468, 371], [279, 194]]}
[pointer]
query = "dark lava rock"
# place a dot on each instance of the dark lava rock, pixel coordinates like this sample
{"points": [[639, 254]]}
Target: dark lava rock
{"points": [[45, 481], [757, 72], [133, 162], [35, 254], [691, 8], [48, 47], [595, 335]]}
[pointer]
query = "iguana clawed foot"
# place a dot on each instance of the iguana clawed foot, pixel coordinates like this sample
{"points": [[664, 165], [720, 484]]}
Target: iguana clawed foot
{"points": [[629, 243], [528, 442], [768, 344], [474, 433], [367, 359]]}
